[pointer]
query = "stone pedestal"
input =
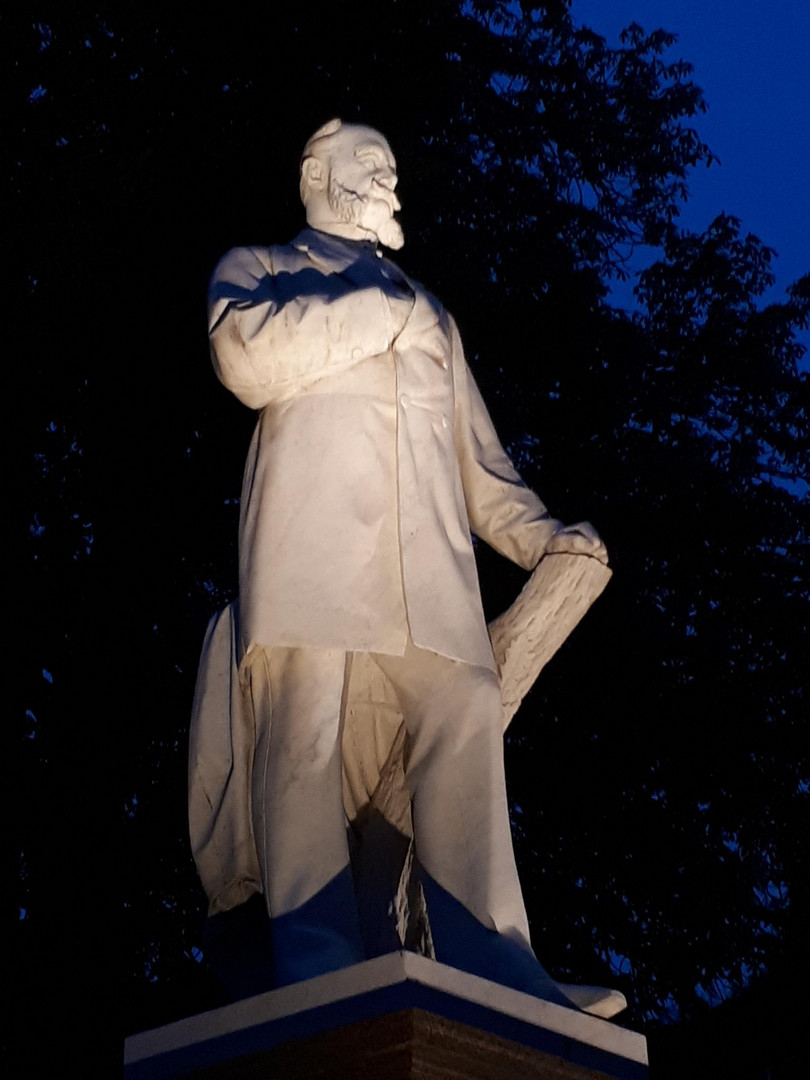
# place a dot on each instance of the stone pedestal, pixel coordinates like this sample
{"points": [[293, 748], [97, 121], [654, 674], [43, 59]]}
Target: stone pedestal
{"points": [[396, 1017]]}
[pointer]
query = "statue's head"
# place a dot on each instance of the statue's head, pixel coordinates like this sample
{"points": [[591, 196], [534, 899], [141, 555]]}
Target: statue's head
{"points": [[348, 176]]}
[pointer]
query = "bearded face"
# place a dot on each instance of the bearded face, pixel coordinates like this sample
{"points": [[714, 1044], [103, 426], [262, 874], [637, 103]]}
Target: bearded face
{"points": [[372, 212], [348, 177]]}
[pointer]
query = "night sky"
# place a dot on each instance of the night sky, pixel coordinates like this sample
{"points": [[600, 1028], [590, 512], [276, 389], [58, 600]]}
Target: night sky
{"points": [[751, 60]]}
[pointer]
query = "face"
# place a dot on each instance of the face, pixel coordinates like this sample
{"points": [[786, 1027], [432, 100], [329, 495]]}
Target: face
{"points": [[362, 178]]}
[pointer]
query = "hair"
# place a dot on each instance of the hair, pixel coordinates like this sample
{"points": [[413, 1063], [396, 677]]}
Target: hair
{"points": [[318, 145]]}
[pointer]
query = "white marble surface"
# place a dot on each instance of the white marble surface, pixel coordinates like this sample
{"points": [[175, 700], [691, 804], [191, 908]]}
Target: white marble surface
{"points": [[406, 971], [373, 460]]}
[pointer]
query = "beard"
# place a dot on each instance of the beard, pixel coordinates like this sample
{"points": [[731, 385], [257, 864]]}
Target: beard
{"points": [[373, 215]]}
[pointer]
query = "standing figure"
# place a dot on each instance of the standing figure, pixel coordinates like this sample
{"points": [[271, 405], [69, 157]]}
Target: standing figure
{"points": [[372, 461]]}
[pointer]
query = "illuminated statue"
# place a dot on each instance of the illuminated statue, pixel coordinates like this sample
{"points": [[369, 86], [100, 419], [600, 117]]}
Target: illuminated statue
{"points": [[372, 461]]}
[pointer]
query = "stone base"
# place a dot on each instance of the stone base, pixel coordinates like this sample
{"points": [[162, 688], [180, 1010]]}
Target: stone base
{"points": [[396, 1017]]}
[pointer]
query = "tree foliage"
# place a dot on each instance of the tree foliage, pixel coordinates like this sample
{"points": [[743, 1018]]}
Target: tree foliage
{"points": [[660, 799]]}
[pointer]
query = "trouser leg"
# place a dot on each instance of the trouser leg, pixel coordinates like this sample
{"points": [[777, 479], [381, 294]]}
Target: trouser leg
{"points": [[456, 775], [463, 839], [299, 822]]}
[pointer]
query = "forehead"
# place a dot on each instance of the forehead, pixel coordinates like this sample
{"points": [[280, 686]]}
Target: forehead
{"points": [[356, 141]]}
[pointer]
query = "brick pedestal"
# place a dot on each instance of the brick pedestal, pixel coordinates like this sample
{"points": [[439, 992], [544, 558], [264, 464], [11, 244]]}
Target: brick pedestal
{"points": [[396, 1017]]}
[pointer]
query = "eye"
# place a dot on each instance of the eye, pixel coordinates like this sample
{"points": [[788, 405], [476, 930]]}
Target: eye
{"points": [[371, 158]]}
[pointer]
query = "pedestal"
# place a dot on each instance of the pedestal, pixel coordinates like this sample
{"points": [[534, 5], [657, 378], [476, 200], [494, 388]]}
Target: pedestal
{"points": [[396, 1017]]}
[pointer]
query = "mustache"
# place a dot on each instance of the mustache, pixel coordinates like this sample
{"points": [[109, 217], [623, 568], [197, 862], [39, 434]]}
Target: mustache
{"points": [[352, 208]]}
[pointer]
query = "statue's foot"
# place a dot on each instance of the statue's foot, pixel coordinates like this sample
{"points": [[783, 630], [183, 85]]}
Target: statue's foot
{"points": [[461, 941], [595, 1000]]}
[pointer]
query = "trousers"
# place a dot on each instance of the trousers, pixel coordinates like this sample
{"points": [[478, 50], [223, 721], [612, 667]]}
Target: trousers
{"points": [[454, 773]]}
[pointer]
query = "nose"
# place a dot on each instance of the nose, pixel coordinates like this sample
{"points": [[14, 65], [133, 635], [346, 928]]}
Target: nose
{"points": [[387, 178]]}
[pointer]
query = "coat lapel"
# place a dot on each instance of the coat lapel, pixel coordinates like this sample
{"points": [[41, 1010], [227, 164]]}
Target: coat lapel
{"points": [[329, 253]]}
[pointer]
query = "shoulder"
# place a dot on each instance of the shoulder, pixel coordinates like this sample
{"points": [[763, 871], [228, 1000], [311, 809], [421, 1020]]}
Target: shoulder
{"points": [[243, 268], [253, 261]]}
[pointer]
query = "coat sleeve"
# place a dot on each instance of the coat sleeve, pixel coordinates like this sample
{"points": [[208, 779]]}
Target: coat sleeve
{"points": [[501, 509], [274, 332]]}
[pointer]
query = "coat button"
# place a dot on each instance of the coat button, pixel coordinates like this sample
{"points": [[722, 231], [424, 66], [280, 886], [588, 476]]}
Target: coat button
{"points": [[404, 400]]}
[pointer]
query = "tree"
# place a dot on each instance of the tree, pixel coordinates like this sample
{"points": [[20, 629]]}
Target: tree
{"points": [[533, 158]]}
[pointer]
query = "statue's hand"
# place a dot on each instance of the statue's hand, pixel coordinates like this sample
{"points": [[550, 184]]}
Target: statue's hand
{"points": [[579, 539]]}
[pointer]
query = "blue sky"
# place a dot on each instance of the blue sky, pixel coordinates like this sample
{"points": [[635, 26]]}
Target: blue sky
{"points": [[752, 60]]}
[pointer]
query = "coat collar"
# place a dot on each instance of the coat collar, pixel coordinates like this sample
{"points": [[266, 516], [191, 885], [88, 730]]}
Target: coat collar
{"points": [[333, 253]]}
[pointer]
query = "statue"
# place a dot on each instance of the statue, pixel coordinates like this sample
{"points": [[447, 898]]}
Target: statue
{"points": [[355, 683]]}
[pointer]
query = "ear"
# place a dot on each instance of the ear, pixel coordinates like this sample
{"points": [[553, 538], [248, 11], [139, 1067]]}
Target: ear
{"points": [[313, 173]]}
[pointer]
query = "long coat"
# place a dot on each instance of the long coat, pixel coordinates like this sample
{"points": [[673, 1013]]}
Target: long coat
{"points": [[373, 457]]}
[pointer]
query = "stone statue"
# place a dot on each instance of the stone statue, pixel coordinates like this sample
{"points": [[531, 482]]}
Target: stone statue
{"points": [[354, 683]]}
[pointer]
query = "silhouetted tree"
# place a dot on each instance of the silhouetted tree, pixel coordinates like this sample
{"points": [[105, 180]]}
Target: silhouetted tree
{"points": [[657, 772]]}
